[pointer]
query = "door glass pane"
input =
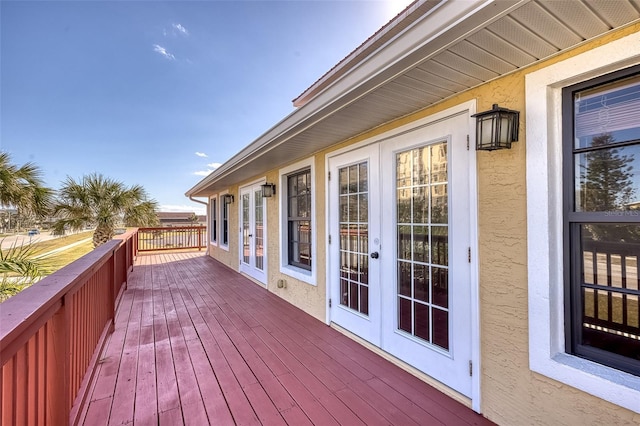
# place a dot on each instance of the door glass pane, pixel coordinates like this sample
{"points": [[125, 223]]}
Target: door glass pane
{"points": [[404, 242], [246, 229], [354, 237], [440, 327], [422, 320], [405, 315], [423, 243], [404, 279], [258, 231]]}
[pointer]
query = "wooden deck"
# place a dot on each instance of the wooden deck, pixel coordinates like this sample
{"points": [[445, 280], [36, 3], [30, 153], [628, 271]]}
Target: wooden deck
{"points": [[197, 343]]}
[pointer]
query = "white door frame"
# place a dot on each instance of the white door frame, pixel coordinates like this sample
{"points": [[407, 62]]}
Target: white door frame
{"points": [[468, 108], [250, 269]]}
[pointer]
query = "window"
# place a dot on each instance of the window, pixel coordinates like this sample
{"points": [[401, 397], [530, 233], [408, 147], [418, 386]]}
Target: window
{"points": [[296, 221], [601, 161], [549, 353], [299, 219], [224, 206], [213, 214]]}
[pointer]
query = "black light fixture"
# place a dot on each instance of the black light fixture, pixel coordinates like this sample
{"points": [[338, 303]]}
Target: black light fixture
{"points": [[496, 128], [268, 189], [227, 198]]}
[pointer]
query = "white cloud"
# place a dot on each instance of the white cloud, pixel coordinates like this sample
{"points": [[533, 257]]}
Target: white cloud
{"points": [[201, 154], [161, 50], [211, 168], [180, 28]]}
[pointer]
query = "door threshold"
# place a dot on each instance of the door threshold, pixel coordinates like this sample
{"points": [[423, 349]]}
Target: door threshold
{"points": [[255, 280]]}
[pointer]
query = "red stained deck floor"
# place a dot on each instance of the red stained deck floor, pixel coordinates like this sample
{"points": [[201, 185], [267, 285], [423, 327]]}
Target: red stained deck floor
{"points": [[197, 343]]}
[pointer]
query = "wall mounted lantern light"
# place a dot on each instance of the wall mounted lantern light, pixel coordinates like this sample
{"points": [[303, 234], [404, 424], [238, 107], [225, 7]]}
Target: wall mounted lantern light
{"points": [[268, 190], [227, 198], [496, 128]]}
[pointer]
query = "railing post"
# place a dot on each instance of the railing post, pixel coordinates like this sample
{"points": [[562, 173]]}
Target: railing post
{"points": [[199, 239], [57, 365]]}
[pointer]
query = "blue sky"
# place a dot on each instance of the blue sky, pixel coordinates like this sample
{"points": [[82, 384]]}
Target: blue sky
{"points": [[158, 93]]}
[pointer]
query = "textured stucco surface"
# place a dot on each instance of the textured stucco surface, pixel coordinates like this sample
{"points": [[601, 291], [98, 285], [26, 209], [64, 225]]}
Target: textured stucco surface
{"points": [[510, 393]]}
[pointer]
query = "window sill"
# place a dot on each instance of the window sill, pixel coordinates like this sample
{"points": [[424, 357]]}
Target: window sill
{"points": [[299, 274], [607, 383]]}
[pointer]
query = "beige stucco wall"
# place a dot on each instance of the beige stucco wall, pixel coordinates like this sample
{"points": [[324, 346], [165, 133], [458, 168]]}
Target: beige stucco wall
{"points": [[510, 393]]}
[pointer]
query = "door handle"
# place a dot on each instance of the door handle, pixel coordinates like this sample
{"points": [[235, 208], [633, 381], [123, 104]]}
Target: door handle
{"points": [[375, 255]]}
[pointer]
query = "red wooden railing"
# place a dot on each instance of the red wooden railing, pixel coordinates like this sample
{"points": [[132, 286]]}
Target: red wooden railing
{"points": [[172, 238], [51, 335]]}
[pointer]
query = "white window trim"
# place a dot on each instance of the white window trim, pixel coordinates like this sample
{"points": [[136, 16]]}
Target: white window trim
{"points": [[221, 207], [290, 270], [212, 199], [547, 354]]}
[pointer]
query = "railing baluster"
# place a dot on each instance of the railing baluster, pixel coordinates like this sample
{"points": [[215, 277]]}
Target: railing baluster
{"points": [[623, 271], [609, 293], [41, 343], [8, 383], [596, 295], [32, 380]]}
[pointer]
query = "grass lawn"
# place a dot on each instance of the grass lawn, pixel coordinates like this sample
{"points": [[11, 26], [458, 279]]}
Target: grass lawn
{"points": [[45, 246], [63, 258], [58, 260]]}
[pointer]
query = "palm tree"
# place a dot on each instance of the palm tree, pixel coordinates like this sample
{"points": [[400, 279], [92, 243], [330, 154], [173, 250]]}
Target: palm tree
{"points": [[23, 187], [104, 203], [20, 267]]}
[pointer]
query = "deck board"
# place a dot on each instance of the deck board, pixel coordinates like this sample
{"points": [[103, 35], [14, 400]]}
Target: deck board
{"points": [[197, 343]]}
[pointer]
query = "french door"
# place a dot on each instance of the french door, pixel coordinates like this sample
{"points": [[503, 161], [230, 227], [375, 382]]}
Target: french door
{"points": [[253, 233], [400, 235], [355, 284]]}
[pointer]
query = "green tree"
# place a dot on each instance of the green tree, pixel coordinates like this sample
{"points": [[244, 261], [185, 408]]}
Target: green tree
{"points": [[606, 181], [193, 218], [23, 188], [606, 185], [104, 203]]}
